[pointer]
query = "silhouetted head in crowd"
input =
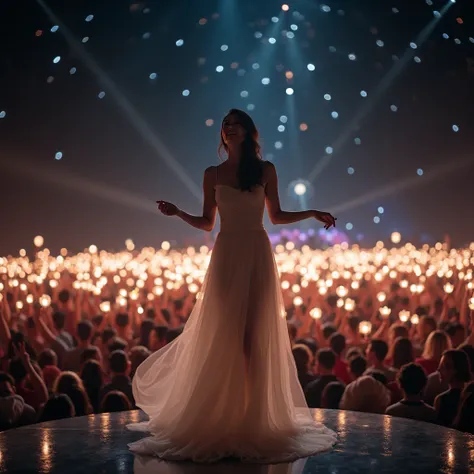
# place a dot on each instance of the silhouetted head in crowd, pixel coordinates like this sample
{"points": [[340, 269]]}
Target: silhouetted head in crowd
{"points": [[115, 401], [337, 343], [332, 394], [71, 384], [457, 333], [107, 335], [308, 342], [122, 320], [454, 368], [402, 352], [64, 296], [303, 357], [435, 345], [172, 334], [150, 314], [137, 355], [84, 331], [325, 362], [377, 351], [412, 380], [396, 330], [7, 385], [119, 363], [58, 407], [146, 327], [158, 337], [117, 344], [91, 353], [16, 338], [328, 331], [357, 366], [59, 320], [47, 357]]}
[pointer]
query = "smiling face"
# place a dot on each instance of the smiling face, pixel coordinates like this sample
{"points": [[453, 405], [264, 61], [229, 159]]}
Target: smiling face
{"points": [[232, 132]]}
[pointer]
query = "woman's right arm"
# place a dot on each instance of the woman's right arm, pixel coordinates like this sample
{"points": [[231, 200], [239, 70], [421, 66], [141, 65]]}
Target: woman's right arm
{"points": [[208, 219]]}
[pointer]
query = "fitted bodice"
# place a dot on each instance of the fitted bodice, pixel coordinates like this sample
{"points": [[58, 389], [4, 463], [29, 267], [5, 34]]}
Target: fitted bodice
{"points": [[240, 211]]}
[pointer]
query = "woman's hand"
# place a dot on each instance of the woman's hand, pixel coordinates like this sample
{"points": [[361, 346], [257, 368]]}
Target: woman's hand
{"points": [[327, 219], [167, 208]]}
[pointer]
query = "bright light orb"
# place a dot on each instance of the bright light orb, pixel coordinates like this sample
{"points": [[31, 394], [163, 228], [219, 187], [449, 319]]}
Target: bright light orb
{"points": [[38, 241], [396, 237], [289, 91], [300, 189]]}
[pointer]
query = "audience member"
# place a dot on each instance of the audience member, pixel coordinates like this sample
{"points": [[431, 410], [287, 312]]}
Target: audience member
{"points": [[337, 343], [72, 359], [325, 361], [457, 334], [137, 355], [412, 380], [376, 353], [120, 366], [303, 361], [14, 411], [57, 407], [114, 401], [332, 394], [357, 367], [157, 338], [454, 369], [436, 343], [365, 394], [71, 385]]}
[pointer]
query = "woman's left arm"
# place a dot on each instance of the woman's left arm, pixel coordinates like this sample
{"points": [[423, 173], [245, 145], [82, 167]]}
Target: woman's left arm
{"points": [[277, 215]]}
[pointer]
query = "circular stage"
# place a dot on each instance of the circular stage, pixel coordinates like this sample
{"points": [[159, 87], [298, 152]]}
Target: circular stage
{"points": [[367, 443]]}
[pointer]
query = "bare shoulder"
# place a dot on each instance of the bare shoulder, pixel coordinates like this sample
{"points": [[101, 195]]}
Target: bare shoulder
{"points": [[269, 171], [210, 172]]}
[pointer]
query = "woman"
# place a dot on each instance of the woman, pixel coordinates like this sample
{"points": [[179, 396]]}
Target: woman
{"points": [[401, 354], [228, 385], [455, 371], [437, 342], [71, 385]]}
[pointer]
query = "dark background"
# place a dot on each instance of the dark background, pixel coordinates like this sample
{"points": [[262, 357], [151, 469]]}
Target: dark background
{"points": [[117, 150]]}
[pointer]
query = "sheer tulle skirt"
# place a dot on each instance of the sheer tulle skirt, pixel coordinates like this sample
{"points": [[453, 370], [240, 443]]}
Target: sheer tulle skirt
{"points": [[202, 403]]}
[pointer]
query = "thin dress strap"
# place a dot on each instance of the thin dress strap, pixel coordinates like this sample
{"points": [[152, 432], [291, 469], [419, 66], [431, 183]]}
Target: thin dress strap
{"points": [[217, 177]]}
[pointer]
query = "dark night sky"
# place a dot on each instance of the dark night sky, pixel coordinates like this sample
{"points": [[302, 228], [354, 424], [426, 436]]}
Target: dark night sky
{"points": [[113, 168]]}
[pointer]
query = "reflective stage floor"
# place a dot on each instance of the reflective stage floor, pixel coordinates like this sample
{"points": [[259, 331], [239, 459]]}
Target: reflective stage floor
{"points": [[367, 444]]}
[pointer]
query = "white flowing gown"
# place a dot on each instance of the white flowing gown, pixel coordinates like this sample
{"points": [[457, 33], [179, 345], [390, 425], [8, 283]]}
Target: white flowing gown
{"points": [[201, 404]]}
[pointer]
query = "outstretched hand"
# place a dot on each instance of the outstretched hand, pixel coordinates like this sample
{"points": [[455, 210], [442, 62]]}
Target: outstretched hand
{"points": [[167, 208], [327, 219]]}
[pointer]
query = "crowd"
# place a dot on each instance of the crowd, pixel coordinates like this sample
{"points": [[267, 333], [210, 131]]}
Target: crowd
{"points": [[387, 331]]}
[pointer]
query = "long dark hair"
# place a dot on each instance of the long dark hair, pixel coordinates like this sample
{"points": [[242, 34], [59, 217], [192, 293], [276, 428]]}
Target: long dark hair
{"points": [[250, 170]]}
